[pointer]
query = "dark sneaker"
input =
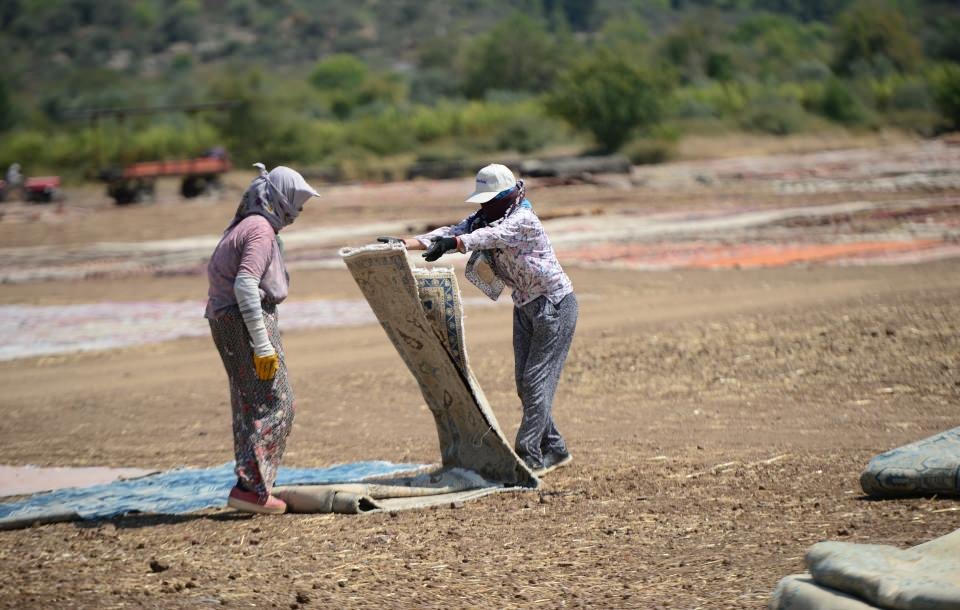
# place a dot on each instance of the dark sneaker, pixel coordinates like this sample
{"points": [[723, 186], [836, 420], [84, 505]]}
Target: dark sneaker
{"points": [[553, 460], [533, 464]]}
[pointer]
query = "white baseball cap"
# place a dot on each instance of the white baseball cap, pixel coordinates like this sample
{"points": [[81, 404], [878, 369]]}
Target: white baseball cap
{"points": [[491, 181]]}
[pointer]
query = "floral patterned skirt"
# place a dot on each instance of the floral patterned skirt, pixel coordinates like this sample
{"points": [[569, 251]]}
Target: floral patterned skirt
{"points": [[262, 410]]}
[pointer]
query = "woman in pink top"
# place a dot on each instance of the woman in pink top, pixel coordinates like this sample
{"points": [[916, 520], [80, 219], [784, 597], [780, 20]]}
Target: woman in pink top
{"points": [[247, 280]]}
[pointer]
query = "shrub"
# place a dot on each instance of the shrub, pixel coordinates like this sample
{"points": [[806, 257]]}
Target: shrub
{"points": [[947, 93], [28, 148], [518, 54], [386, 134], [925, 123], [875, 36], [811, 70], [911, 94], [774, 115], [609, 96], [7, 112], [648, 151], [341, 71], [839, 104], [525, 134]]}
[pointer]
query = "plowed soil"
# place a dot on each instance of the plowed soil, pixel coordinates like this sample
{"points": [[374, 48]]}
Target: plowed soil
{"points": [[719, 420]]}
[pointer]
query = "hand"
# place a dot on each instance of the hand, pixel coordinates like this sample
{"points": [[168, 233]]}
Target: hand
{"points": [[391, 240], [266, 366], [440, 246]]}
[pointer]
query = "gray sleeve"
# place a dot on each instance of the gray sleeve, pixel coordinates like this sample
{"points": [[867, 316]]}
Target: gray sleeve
{"points": [[451, 231], [247, 290]]}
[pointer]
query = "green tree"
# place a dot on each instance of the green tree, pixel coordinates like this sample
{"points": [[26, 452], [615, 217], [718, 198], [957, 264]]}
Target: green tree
{"points": [[947, 93], [340, 71], [839, 104], [348, 85], [694, 47], [249, 125], [625, 34], [807, 10], [769, 43], [6, 107], [609, 96], [873, 33], [183, 21], [943, 37], [519, 54]]}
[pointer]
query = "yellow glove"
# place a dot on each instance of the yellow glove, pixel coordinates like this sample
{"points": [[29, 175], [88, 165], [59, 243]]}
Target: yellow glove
{"points": [[266, 366]]}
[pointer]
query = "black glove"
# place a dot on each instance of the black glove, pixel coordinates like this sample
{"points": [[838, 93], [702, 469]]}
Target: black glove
{"points": [[440, 246], [390, 240]]}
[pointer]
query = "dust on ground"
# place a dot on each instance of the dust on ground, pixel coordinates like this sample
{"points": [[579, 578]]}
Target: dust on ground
{"points": [[719, 420]]}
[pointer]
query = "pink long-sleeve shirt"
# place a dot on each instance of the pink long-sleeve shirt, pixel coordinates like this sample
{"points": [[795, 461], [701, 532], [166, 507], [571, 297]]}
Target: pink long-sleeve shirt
{"points": [[250, 247]]}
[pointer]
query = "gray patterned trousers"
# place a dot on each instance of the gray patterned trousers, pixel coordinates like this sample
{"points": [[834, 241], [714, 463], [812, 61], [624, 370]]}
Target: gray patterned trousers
{"points": [[542, 333]]}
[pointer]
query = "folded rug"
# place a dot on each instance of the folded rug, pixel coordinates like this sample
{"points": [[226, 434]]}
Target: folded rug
{"points": [[433, 487], [421, 313], [847, 576], [930, 466]]}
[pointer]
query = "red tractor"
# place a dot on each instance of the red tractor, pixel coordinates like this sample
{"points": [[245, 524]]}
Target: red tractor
{"points": [[136, 182], [42, 189], [36, 189]]}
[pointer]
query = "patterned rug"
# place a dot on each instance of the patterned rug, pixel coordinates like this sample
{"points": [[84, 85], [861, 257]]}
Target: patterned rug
{"points": [[928, 467], [420, 310], [847, 576], [173, 492]]}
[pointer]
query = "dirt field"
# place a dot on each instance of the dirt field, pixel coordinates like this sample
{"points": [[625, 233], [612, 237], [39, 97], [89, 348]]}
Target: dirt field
{"points": [[719, 420]]}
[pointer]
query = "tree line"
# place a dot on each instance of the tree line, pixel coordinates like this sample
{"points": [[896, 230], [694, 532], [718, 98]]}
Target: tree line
{"points": [[373, 86]]}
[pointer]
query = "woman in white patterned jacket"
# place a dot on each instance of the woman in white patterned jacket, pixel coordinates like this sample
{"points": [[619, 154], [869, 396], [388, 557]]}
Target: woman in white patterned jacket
{"points": [[509, 247]]}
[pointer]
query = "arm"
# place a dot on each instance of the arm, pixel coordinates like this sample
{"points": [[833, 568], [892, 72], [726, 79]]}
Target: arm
{"points": [[408, 242], [423, 242], [505, 234], [451, 231], [256, 255], [436, 249]]}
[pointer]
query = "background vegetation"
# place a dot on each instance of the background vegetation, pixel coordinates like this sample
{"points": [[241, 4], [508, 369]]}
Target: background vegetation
{"points": [[372, 87]]}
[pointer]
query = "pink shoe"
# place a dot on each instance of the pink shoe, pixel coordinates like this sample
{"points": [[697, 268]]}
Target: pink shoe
{"points": [[251, 502]]}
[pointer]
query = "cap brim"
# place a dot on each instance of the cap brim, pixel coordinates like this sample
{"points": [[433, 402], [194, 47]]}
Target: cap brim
{"points": [[481, 197]]}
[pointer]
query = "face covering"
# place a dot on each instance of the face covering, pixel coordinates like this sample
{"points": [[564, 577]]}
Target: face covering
{"points": [[497, 208]]}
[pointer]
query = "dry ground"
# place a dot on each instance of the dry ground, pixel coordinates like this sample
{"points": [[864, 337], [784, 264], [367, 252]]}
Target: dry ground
{"points": [[719, 421]]}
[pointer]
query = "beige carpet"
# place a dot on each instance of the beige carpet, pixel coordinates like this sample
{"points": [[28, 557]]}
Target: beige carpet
{"points": [[420, 310]]}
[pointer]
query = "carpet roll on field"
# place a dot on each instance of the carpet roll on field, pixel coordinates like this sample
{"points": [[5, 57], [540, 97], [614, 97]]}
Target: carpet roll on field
{"points": [[420, 310], [928, 467], [848, 576]]}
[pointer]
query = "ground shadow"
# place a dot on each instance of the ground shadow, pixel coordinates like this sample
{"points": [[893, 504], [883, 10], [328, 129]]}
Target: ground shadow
{"points": [[141, 520]]}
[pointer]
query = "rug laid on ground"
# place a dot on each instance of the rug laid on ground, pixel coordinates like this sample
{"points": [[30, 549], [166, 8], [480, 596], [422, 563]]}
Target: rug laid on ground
{"points": [[847, 576], [930, 466], [173, 492], [420, 310]]}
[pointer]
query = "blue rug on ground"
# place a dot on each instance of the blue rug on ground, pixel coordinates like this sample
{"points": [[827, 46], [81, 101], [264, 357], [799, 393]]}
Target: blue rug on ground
{"points": [[174, 492]]}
